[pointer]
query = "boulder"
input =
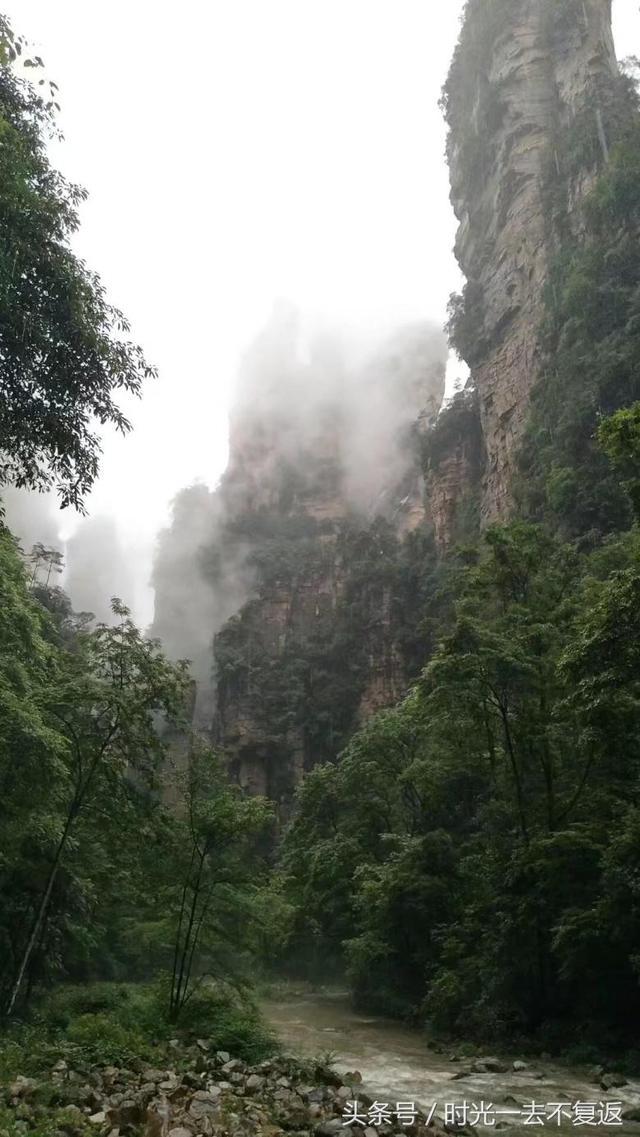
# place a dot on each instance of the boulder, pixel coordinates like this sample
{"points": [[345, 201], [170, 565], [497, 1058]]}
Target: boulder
{"points": [[353, 1078], [489, 1066], [254, 1083], [519, 1066], [154, 1076], [233, 1066], [22, 1087], [204, 1104], [328, 1128]]}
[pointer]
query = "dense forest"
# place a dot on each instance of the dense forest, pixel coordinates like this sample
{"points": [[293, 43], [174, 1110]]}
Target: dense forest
{"points": [[468, 858]]}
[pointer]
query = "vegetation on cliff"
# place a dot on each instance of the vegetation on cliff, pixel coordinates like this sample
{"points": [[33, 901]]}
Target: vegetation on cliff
{"points": [[593, 358], [473, 857]]}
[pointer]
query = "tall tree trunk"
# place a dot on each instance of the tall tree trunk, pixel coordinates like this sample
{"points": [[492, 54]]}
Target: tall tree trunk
{"points": [[42, 912]]}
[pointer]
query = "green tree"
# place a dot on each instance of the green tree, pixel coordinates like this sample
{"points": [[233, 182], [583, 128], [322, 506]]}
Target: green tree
{"points": [[219, 849], [64, 352], [105, 701]]}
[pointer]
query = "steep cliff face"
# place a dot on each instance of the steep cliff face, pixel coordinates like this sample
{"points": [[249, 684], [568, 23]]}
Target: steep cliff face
{"points": [[309, 566], [325, 488], [300, 568], [531, 107], [454, 458]]}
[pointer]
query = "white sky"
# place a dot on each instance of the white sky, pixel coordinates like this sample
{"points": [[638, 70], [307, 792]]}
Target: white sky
{"points": [[236, 151]]}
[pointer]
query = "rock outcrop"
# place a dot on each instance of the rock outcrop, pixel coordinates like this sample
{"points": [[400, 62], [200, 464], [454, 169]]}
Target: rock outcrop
{"points": [[343, 479], [294, 568], [325, 487], [531, 106]]}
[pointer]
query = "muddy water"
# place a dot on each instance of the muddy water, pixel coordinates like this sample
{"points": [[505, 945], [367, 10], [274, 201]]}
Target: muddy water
{"points": [[397, 1065]]}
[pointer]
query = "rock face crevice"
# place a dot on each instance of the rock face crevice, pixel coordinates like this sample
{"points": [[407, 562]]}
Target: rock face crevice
{"points": [[530, 103]]}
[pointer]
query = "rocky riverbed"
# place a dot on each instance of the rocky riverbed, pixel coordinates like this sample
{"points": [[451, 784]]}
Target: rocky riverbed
{"points": [[205, 1094]]}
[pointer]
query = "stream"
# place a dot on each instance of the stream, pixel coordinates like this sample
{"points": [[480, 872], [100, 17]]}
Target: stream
{"points": [[397, 1065]]}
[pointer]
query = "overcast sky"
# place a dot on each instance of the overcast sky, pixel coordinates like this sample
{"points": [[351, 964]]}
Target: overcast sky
{"points": [[236, 151]]}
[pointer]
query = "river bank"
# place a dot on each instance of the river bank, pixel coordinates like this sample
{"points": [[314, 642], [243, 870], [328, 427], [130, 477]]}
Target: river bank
{"points": [[397, 1063], [331, 1070]]}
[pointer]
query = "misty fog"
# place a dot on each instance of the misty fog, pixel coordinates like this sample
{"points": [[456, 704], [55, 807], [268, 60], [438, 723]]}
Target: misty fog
{"points": [[313, 404]]}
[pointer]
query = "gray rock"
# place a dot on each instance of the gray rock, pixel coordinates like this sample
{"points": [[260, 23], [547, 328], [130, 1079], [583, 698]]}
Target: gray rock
{"points": [[489, 1066], [316, 1095], [353, 1078], [154, 1075], [203, 1045], [22, 1087], [180, 1131], [204, 1104], [98, 1118], [169, 1084], [519, 1066], [328, 1128], [461, 1074], [254, 1082], [233, 1066], [223, 1056]]}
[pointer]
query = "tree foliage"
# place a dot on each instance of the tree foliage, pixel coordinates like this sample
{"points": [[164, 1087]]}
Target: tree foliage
{"points": [[64, 351], [471, 856]]}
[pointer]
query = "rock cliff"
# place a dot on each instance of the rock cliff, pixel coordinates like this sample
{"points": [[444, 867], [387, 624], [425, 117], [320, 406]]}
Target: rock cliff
{"points": [[307, 569], [531, 104], [299, 568]]}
